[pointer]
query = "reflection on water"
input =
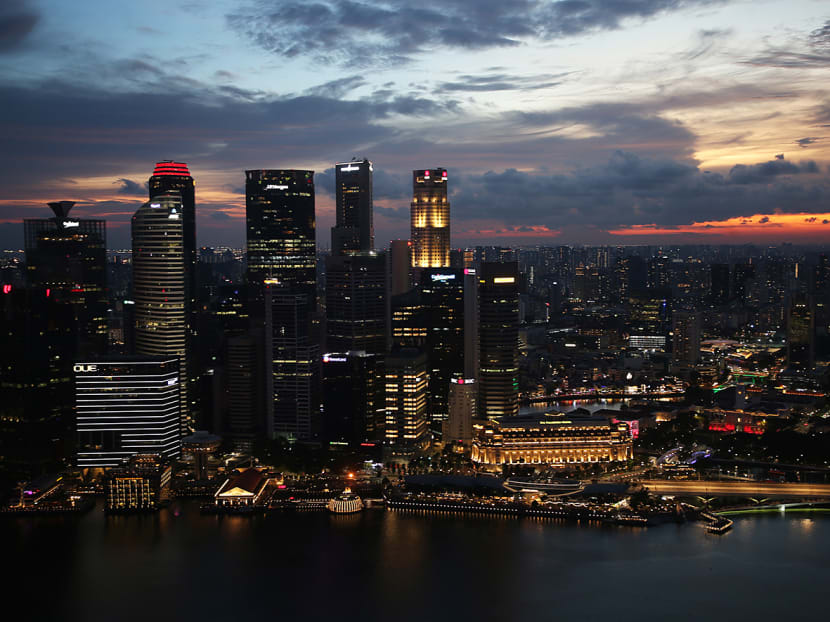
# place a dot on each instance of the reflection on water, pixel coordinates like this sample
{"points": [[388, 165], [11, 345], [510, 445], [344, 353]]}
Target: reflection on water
{"points": [[179, 565]]}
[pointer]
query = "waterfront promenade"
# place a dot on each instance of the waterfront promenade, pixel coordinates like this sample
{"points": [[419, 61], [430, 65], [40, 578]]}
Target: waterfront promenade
{"points": [[737, 489]]}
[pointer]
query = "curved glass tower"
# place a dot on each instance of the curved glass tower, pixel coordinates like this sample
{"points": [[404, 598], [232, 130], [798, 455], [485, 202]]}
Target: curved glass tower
{"points": [[159, 288]]}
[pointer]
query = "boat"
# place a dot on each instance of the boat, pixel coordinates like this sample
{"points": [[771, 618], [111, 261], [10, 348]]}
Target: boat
{"points": [[346, 503]]}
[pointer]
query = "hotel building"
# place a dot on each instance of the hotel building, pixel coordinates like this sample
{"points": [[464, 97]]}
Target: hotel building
{"points": [[550, 439], [126, 406]]}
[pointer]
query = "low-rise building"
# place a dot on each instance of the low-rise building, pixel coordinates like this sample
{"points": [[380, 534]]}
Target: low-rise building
{"points": [[141, 484], [243, 487], [550, 439]]}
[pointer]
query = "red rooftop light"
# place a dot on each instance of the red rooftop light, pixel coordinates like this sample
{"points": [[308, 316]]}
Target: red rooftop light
{"points": [[168, 167]]}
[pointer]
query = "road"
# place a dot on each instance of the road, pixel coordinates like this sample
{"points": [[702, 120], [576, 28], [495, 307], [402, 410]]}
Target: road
{"points": [[737, 489]]}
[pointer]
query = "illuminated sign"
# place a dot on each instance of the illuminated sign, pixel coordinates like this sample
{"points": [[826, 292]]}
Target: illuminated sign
{"points": [[349, 168], [469, 270], [172, 381], [442, 277], [334, 359], [173, 217], [464, 381], [7, 289], [129, 302], [84, 368], [155, 205], [504, 279], [70, 224], [276, 187]]}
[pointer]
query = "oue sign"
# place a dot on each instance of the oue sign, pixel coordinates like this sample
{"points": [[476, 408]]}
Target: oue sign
{"points": [[84, 368]]}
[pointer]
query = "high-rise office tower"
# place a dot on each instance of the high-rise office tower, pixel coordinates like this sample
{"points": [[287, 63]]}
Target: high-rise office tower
{"points": [[244, 376], [442, 294], [356, 304], [399, 264], [471, 350], [68, 257], [801, 333], [631, 275], [353, 398], [160, 289], [279, 215], [458, 428], [125, 406], [37, 330], [498, 339], [294, 357], [430, 219], [405, 383], [354, 229], [719, 291], [686, 337]]}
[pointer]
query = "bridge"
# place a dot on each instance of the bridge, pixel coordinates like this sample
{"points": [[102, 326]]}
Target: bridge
{"points": [[765, 490]]}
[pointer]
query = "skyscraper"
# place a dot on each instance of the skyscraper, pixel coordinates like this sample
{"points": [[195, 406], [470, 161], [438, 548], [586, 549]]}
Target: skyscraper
{"points": [[356, 313], [430, 219], [294, 357], [160, 289], [719, 291], [126, 406], [279, 216], [353, 397], [686, 337], [354, 228], [499, 339], [68, 257], [801, 333], [442, 295], [399, 264], [458, 428], [406, 430]]}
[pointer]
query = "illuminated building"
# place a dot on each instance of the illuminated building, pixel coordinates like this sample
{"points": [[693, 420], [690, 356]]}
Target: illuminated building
{"points": [[471, 348], [498, 293], [409, 324], [126, 406], [139, 484], [430, 219], [631, 275], [353, 398], [405, 387], [801, 333], [68, 257], [356, 314], [279, 215], [550, 439], [160, 288], [354, 230], [649, 311], [647, 342], [294, 365], [719, 290], [399, 263], [686, 337], [245, 487], [442, 295], [462, 410], [200, 445]]}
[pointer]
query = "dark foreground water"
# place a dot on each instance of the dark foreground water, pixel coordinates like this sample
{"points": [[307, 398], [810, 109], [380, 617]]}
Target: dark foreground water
{"points": [[178, 565]]}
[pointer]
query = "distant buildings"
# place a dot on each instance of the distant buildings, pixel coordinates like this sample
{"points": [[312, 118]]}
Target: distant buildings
{"points": [[430, 219], [125, 406], [685, 337]]}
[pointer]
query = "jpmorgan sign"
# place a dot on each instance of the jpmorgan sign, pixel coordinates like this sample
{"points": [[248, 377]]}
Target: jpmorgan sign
{"points": [[84, 368]]}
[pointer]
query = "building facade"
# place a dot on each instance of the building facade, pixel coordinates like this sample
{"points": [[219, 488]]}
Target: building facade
{"points": [[430, 219], [354, 230], [160, 289], [550, 440], [498, 290], [405, 387], [126, 406], [353, 398]]}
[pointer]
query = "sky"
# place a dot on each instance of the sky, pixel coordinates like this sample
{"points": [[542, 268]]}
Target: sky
{"points": [[560, 121]]}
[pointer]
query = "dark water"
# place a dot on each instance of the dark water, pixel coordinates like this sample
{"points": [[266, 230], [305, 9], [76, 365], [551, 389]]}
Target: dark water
{"points": [[382, 565]]}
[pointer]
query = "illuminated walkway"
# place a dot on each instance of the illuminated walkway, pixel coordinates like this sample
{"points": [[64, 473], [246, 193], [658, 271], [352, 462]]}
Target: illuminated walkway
{"points": [[737, 489]]}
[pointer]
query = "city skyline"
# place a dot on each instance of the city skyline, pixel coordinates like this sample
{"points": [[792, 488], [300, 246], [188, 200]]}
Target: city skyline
{"points": [[655, 122]]}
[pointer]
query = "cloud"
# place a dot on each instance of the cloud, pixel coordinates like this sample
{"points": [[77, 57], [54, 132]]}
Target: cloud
{"points": [[501, 82], [806, 141], [337, 88], [395, 31], [128, 186], [17, 20]]}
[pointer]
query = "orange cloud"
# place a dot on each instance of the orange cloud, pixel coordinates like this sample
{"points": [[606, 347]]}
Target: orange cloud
{"points": [[760, 225]]}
